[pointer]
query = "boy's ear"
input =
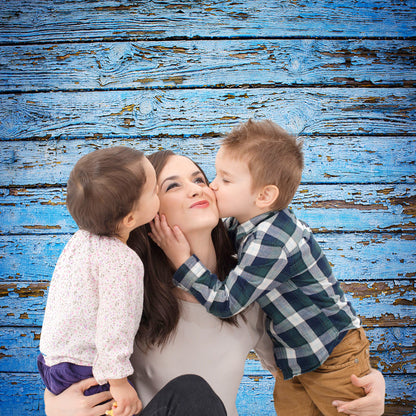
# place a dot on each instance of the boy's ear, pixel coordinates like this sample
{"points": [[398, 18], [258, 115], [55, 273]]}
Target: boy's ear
{"points": [[267, 196]]}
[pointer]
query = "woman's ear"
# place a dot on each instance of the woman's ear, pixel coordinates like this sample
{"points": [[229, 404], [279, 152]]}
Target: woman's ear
{"points": [[267, 196]]}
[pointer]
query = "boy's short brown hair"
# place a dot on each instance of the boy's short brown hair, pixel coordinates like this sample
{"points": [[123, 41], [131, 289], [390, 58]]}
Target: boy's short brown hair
{"points": [[273, 155], [104, 187]]}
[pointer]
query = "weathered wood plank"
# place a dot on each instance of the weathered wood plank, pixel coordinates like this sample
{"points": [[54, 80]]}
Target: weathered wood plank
{"points": [[196, 112], [363, 257], [386, 303], [46, 21], [25, 395], [346, 207], [22, 394], [393, 350], [327, 159], [209, 63]]}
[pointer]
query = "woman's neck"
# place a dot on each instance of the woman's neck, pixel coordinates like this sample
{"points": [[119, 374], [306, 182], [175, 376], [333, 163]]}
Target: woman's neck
{"points": [[203, 247]]}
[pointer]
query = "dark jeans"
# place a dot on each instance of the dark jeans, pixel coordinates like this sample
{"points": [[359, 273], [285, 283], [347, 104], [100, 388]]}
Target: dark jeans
{"points": [[187, 395]]}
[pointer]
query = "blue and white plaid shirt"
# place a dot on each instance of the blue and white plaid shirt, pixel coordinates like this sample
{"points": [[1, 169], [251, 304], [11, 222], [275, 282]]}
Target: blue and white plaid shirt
{"points": [[283, 268]]}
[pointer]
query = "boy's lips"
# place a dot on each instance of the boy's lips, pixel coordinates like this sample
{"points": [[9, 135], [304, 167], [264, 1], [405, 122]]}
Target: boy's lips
{"points": [[200, 204]]}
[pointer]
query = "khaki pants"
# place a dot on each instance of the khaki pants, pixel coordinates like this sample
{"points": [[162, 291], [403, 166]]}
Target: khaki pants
{"points": [[312, 393]]}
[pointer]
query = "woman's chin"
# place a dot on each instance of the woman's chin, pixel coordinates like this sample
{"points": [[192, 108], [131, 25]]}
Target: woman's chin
{"points": [[200, 225]]}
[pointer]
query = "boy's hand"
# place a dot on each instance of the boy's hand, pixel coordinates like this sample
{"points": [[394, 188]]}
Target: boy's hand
{"points": [[128, 404], [170, 240]]}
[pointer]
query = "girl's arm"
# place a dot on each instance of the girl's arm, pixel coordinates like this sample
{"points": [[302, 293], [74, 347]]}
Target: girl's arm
{"points": [[72, 401]]}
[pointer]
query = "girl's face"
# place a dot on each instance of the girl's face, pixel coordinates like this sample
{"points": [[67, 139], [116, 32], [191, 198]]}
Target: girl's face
{"points": [[185, 197]]}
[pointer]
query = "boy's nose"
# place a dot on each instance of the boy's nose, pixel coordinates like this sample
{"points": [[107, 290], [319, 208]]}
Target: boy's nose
{"points": [[213, 185]]}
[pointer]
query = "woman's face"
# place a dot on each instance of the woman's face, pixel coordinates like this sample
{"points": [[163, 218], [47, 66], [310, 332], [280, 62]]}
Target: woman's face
{"points": [[185, 197]]}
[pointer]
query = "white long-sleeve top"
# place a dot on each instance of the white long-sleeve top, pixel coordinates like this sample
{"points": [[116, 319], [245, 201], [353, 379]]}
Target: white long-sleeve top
{"points": [[94, 306]]}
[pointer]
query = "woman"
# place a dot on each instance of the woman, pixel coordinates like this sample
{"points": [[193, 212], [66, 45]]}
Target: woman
{"points": [[177, 335]]}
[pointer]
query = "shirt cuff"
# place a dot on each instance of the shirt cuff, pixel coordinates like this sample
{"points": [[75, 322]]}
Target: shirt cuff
{"points": [[189, 272]]}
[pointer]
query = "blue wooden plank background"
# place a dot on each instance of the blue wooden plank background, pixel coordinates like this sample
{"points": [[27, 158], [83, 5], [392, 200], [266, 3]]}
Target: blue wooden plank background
{"points": [[79, 75]]}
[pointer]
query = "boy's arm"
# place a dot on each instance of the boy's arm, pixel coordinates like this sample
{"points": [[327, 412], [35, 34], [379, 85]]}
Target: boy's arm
{"points": [[248, 281], [258, 271]]}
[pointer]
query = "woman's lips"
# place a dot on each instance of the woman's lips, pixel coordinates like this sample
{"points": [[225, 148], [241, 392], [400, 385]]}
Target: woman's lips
{"points": [[200, 204]]}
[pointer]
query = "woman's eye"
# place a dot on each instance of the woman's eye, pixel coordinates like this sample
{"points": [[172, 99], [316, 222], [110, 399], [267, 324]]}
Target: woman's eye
{"points": [[200, 180], [171, 186]]}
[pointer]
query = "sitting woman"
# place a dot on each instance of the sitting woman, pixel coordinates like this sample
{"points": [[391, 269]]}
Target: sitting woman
{"points": [[177, 335]]}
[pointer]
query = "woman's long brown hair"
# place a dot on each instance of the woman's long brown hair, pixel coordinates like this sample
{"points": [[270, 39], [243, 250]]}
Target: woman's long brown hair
{"points": [[161, 308]]}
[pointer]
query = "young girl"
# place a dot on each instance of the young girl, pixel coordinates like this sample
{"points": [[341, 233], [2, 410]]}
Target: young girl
{"points": [[96, 293]]}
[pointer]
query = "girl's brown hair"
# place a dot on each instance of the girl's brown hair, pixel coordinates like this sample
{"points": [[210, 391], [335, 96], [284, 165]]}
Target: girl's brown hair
{"points": [[161, 308], [103, 188]]}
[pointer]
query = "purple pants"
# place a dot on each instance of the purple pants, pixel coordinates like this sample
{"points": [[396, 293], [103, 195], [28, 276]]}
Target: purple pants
{"points": [[60, 376]]}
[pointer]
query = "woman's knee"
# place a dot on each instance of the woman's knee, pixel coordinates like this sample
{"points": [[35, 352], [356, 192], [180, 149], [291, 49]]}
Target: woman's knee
{"points": [[199, 397], [190, 383]]}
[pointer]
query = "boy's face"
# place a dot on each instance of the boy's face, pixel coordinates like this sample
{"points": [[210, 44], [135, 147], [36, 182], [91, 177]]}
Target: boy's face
{"points": [[232, 187]]}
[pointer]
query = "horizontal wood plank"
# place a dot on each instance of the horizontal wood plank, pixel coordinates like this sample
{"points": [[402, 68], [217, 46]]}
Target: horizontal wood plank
{"points": [[81, 20], [206, 112], [386, 303], [358, 208], [327, 159], [25, 395], [392, 350], [364, 257], [208, 63]]}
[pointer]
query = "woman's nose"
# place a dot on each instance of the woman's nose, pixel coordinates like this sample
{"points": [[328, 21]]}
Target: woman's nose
{"points": [[194, 189]]}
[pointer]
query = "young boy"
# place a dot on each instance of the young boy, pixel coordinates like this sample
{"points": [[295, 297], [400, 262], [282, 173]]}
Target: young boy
{"points": [[318, 341]]}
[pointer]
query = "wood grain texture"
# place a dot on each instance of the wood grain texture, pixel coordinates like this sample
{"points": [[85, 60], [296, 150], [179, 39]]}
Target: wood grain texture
{"points": [[392, 350], [119, 20], [387, 303], [328, 159], [207, 63], [26, 393], [205, 112], [79, 75], [359, 208], [353, 256]]}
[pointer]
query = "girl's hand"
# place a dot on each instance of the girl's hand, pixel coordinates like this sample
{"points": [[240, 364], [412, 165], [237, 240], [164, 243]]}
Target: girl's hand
{"points": [[72, 401], [126, 401], [171, 240], [370, 405]]}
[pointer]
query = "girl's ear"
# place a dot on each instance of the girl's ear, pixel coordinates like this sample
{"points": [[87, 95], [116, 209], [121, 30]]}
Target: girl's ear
{"points": [[267, 196], [129, 220]]}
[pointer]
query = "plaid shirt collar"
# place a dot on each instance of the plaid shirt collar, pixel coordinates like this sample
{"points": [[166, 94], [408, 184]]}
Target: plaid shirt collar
{"points": [[244, 229]]}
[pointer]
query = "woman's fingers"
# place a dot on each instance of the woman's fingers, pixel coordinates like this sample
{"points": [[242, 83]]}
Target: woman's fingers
{"points": [[85, 384]]}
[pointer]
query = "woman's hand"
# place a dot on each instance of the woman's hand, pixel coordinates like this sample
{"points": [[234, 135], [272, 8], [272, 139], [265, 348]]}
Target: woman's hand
{"points": [[170, 240], [370, 405], [72, 401]]}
